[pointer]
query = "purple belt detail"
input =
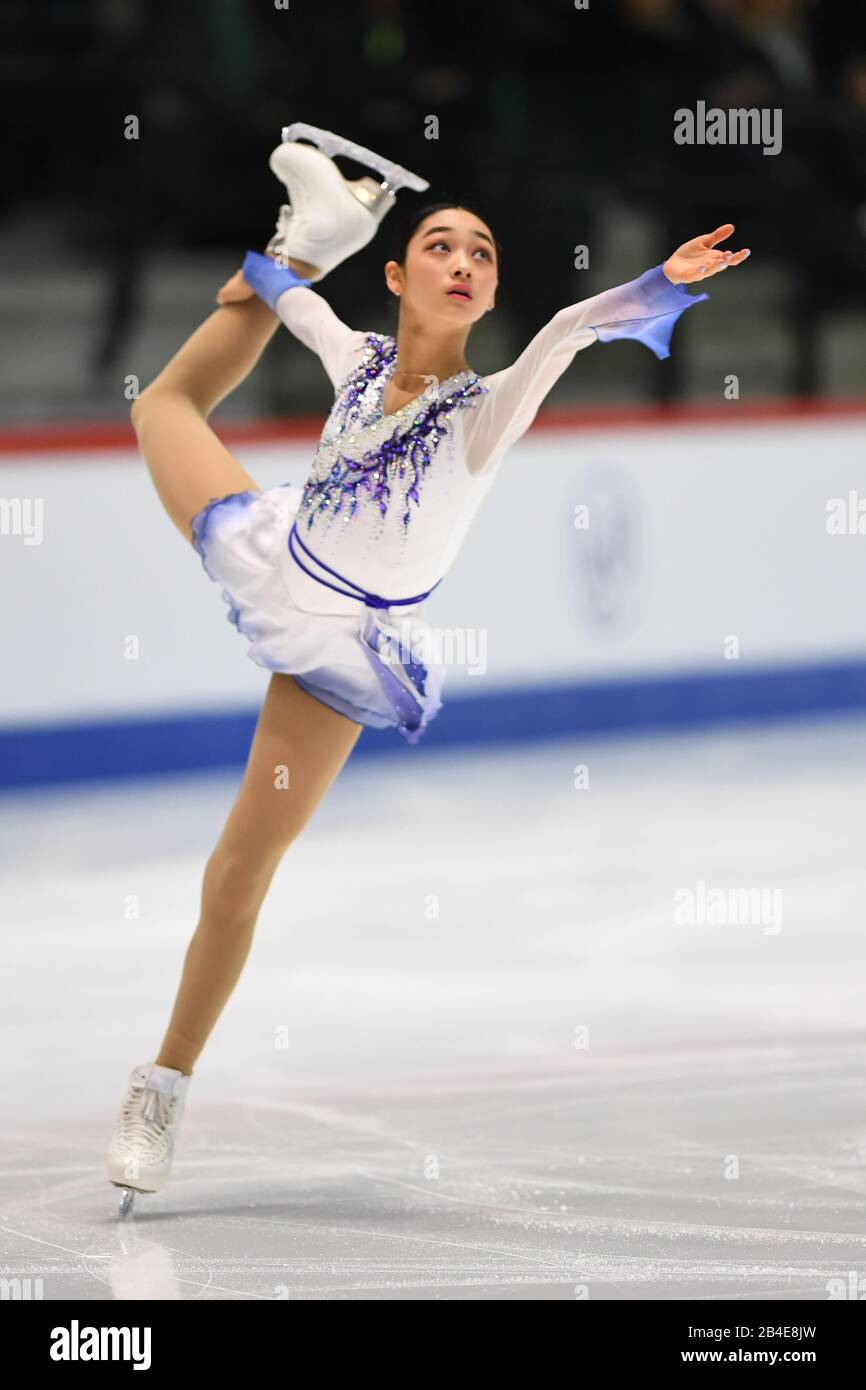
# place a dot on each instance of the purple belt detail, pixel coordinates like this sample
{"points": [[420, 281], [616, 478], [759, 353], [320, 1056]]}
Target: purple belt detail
{"points": [[401, 675], [371, 600]]}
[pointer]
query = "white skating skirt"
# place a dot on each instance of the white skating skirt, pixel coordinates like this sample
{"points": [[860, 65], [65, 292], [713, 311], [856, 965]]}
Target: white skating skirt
{"points": [[371, 664]]}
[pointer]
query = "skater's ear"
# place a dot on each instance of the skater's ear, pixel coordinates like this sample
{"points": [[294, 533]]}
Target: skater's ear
{"points": [[394, 277]]}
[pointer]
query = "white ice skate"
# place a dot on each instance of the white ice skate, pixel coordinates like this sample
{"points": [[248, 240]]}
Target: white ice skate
{"points": [[329, 217], [142, 1146]]}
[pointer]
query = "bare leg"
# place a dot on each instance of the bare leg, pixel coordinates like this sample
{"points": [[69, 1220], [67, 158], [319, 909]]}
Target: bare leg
{"points": [[188, 463], [190, 466], [299, 733]]}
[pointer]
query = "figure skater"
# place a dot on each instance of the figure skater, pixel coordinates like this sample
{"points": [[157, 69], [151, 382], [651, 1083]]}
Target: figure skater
{"points": [[318, 579]]}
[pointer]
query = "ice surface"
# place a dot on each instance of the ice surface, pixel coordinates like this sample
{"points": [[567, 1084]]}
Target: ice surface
{"points": [[393, 1104]]}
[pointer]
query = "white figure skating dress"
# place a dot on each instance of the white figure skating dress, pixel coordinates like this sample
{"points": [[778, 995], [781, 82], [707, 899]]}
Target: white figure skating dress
{"points": [[327, 581]]}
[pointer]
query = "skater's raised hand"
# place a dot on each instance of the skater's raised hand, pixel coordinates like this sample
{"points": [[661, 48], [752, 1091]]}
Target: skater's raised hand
{"points": [[698, 260], [239, 288]]}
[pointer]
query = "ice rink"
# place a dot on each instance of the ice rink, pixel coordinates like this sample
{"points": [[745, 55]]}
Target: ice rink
{"points": [[477, 1052]]}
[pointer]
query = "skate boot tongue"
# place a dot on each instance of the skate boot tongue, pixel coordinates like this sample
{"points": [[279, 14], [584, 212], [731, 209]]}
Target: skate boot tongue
{"points": [[164, 1080]]}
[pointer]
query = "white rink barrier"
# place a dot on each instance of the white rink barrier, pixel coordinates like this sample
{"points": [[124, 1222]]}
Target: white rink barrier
{"points": [[603, 558]]}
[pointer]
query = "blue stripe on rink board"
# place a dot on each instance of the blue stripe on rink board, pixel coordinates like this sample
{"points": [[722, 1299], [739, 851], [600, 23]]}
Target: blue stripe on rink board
{"points": [[79, 752]]}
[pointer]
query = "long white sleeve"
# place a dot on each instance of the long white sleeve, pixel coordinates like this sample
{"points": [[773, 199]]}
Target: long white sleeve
{"points": [[646, 309], [312, 320]]}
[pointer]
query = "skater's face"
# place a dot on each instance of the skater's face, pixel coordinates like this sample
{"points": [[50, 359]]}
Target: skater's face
{"points": [[450, 268]]}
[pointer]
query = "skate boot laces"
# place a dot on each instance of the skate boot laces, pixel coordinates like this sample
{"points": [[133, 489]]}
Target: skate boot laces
{"points": [[279, 241], [149, 1109]]}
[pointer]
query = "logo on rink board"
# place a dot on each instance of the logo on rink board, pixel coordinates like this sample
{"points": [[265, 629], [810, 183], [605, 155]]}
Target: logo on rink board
{"points": [[608, 539]]}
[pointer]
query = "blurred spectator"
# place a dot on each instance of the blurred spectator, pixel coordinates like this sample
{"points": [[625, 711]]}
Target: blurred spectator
{"points": [[544, 112]]}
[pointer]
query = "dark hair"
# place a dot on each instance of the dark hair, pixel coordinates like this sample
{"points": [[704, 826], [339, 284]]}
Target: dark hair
{"points": [[403, 232]]}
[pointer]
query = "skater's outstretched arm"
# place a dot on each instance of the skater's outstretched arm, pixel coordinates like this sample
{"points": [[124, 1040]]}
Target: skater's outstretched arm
{"points": [[645, 309]]}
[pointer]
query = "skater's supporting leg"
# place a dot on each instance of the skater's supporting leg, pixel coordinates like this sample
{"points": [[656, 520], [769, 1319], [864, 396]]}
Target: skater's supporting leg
{"points": [[312, 741]]}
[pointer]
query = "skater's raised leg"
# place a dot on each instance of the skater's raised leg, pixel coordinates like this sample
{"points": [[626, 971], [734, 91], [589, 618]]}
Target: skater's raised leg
{"points": [[188, 463]]}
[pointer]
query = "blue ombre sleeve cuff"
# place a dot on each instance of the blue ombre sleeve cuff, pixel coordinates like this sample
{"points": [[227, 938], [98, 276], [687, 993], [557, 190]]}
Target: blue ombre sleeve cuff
{"points": [[651, 306], [268, 279]]}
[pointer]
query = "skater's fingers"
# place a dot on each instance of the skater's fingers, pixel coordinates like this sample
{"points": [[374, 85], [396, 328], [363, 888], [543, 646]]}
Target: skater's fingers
{"points": [[729, 258], [234, 290], [720, 234]]}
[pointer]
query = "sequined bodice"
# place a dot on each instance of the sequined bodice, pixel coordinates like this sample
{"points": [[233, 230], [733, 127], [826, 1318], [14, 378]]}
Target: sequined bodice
{"points": [[373, 462]]}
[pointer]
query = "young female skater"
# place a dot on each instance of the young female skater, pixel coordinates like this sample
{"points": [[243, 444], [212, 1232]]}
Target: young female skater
{"points": [[318, 579]]}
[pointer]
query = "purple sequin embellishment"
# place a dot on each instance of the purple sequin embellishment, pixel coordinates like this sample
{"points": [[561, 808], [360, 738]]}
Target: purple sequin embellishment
{"points": [[402, 454]]}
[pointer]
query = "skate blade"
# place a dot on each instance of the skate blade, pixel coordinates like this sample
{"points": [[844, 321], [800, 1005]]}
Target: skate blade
{"points": [[127, 1197], [395, 175]]}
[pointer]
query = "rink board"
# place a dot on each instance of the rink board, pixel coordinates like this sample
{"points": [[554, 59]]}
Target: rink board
{"points": [[616, 578]]}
